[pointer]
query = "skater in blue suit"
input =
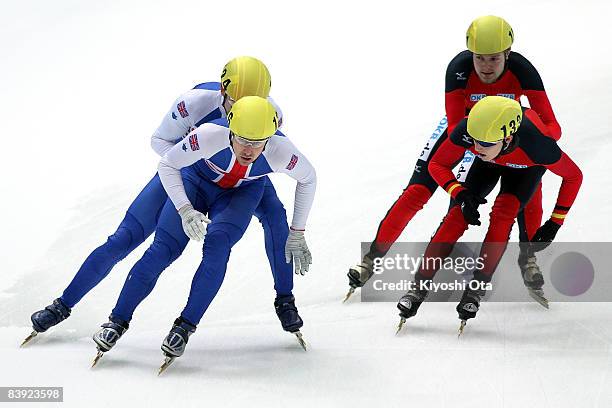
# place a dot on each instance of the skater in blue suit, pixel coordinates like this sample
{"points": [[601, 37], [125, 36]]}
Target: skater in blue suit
{"points": [[242, 76], [220, 170]]}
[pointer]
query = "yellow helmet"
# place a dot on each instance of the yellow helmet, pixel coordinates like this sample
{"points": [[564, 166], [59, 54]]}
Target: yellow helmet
{"points": [[246, 76], [493, 118], [489, 35], [253, 118]]}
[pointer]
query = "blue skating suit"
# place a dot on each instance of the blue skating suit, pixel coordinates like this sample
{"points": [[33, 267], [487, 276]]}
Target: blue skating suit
{"points": [[202, 170], [199, 105]]}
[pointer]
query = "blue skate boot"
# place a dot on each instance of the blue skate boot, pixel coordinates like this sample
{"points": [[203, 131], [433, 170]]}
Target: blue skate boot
{"points": [[108, 335], [175, 342], [43, 320], [288, 315]]}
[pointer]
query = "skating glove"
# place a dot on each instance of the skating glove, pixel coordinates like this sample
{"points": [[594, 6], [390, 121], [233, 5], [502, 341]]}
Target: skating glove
{"points": [[544, 235], [297, 250], [469, 203], [193, 222]]}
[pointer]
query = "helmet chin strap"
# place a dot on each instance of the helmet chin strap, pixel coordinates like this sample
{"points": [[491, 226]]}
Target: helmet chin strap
{"points": [[224, 101], [508, 147]]}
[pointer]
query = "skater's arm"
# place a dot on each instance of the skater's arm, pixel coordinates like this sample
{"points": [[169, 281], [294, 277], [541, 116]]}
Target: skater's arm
{"points": [[284, 157], [457, 73], [538, 100], [181, 155], [572, 180], [176, 124], [533, 88], [448, 154], [455, 108]]}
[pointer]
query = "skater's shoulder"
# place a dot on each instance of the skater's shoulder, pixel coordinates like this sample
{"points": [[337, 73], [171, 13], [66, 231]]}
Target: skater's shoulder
{"points": [[218, 128], [278, 142], [202, 98], [218, 123], [518, 61], [524, 71], [541, 149], [460, 136], [458, 71], [462, 60], [208, 86]]}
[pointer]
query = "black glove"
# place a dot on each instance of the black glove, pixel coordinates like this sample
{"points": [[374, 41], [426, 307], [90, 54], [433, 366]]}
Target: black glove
{"points": [[469, 203], [544, 235]]}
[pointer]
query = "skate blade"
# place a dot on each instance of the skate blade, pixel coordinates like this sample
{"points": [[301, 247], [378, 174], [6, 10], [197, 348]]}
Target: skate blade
{"points": [[97, 358], [461, 327], [538, 298], [300, 339], [400, 325], [169, 360], [348, 295], [27, 339]]}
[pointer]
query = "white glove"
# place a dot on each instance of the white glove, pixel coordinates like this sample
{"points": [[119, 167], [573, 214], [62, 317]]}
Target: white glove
{"points": [[193, 222], [297, 249]]}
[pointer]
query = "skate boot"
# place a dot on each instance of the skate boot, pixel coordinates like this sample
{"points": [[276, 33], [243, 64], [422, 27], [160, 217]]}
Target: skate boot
{"points": [[175, 342], [359, 274], [409, 304], [44, 319], [532, 277], [288, 315], [469, 304], [108, 335]]}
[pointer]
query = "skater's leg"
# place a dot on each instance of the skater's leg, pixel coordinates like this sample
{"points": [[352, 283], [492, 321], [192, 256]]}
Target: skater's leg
{"points": [[230, 215], [417, 193], [138, 223], [453, 226], [169, 242], [481, 179], [529, 220], [517, 188], [530, 217], [273, 218]]}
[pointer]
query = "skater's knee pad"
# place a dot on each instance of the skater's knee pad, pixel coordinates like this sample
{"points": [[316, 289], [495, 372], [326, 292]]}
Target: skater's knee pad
{"points": [[163, 251], [216, 250], [403, 210], [129, 235], [224, 233], [452, 227], [173, 247], [505, 208], [414, 197]]}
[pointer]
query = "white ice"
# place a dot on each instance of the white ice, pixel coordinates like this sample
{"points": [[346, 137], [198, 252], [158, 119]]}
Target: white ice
{"points": [[83, 86]]}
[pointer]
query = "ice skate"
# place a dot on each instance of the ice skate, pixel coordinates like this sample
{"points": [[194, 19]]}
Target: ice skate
{"points": [[46, 318], [358, 275], [290, 319], [409, 304], [469, 305], [175, 342], [108, 335], [532, 278]]}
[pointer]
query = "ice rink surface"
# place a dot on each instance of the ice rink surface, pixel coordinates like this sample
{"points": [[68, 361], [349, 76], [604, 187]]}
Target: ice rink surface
{"points": [[361, 87]]}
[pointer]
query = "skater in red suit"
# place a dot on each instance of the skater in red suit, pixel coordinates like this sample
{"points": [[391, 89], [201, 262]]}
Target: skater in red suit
{"points": [[511, 146], [487, 67]]}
